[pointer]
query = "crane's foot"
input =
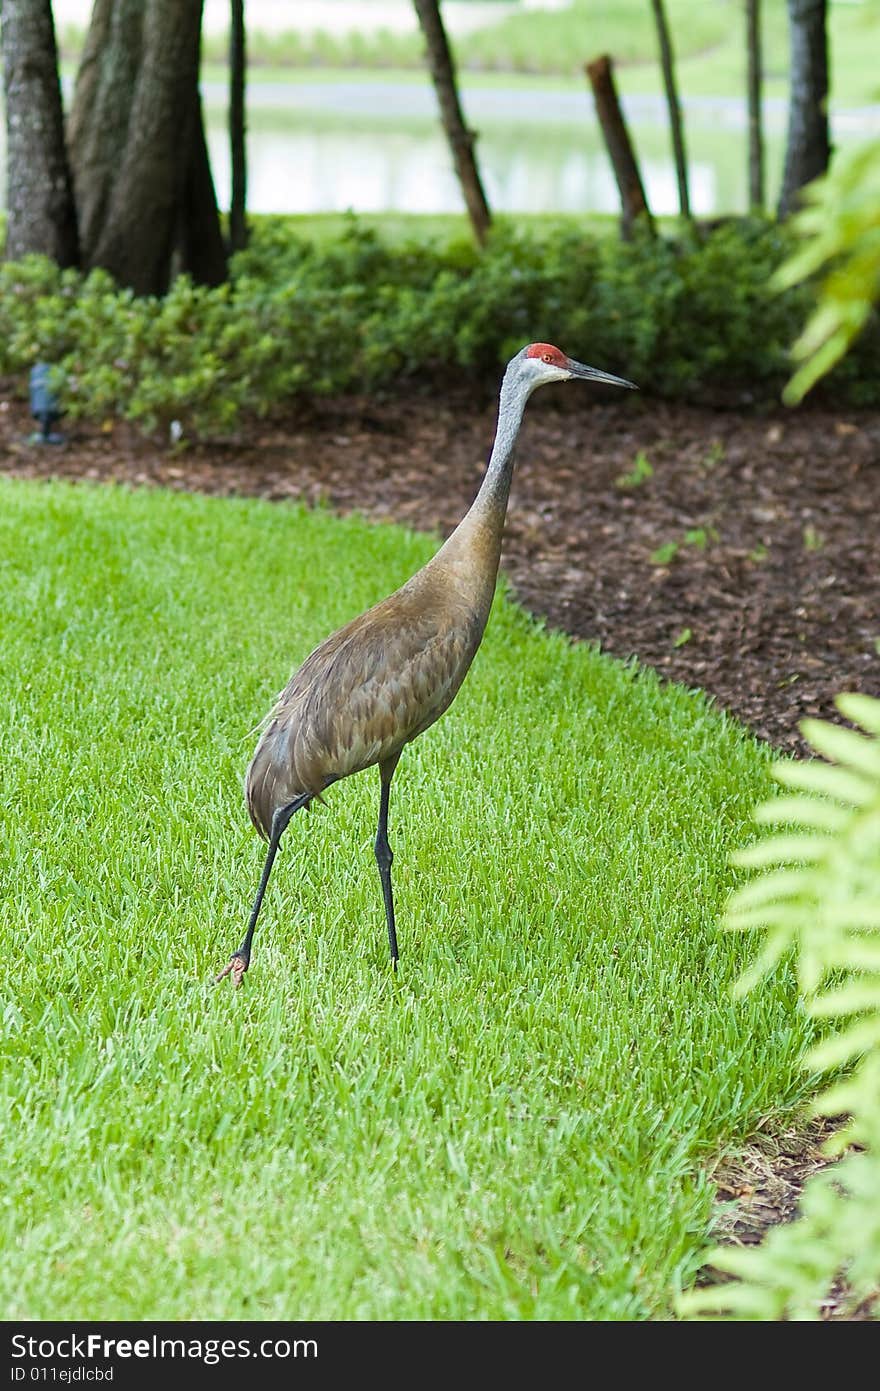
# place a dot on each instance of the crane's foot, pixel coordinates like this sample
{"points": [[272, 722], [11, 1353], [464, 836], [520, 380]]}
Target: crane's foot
{"points": [[236, 967]]}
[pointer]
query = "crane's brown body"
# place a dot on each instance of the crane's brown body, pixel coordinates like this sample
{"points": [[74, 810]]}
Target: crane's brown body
{"points": [[379, 682]]}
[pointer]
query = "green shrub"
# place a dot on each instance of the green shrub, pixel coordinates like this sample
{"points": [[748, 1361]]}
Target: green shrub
{"points": [[352, 312], [819, 894]]}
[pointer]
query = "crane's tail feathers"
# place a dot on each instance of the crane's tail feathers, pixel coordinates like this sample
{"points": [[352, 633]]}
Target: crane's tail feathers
{"points": [[258, 728], [266, 720]]}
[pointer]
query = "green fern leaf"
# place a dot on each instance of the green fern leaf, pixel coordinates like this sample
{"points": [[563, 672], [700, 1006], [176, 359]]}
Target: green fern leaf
{"points": [[791, 849], [801, 811], [836, 783], [779, 885], [817, 892], [844, 746], [855, 998], [846, 1047], [861, 710]]}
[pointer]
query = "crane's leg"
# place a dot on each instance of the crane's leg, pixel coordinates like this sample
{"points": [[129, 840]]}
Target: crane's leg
{"points": [[384, 857], [241, 959]]}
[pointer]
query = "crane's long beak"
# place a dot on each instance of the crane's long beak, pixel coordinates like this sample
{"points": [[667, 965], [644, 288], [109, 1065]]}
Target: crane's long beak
{"points": [[592, 374]]}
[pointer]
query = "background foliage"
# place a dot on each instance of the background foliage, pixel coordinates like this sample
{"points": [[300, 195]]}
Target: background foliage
{"points": [[691, 315]]}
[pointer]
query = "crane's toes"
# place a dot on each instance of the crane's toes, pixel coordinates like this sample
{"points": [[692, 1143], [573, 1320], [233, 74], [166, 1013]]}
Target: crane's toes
{"points": [[236, 967]]}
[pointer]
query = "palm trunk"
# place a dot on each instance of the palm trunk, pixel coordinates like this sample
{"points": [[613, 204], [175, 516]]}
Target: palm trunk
{"points": [[755, 75], [620, 150], [808, 150], [667, 62], [238, 232], [461, 140]]}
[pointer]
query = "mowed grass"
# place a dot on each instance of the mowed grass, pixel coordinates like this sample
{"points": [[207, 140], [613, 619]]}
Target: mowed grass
{"points": [[515, 1126]]}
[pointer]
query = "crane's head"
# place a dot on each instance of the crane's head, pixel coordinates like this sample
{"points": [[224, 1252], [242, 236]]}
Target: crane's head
{"points": [[538, 363]]}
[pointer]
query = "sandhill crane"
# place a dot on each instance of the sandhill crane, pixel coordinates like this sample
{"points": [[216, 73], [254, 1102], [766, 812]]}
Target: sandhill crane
{"points": [[370, 688]]}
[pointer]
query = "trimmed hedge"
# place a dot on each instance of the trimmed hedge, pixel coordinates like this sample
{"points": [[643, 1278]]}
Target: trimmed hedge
{"points": [[685, 317]]}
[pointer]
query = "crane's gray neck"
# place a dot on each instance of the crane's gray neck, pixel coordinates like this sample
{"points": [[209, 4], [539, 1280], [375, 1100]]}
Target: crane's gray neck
{"points": [[491, 500], [473, 551]]}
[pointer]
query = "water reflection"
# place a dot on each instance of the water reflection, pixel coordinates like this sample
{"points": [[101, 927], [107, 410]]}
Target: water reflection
{"points": [[374, 148], [302, 170]]}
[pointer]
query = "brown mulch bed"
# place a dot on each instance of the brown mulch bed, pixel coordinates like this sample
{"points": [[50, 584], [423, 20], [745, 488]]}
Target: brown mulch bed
{"points": [[761, 1188], [746, 561]]}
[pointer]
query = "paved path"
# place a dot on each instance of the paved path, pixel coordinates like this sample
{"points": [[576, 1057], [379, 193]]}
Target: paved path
{"points": [[514, 106]]}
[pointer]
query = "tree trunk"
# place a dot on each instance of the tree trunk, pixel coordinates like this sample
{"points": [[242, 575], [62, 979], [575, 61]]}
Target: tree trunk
{"points": [[41, 215], [138, 147], [461, 140], [620, 150], [667, 63], [808, 150], [238, 232], [200, 250], [755, 77], [97, 127]]}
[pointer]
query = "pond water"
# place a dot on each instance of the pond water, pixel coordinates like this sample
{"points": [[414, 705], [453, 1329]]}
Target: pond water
{"points": [[408, 168], [374, 147], [370, 146]]}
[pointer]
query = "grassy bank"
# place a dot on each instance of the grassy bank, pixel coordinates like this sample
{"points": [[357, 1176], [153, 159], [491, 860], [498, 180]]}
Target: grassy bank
{"points": [[514, 1127], [709, 43]]}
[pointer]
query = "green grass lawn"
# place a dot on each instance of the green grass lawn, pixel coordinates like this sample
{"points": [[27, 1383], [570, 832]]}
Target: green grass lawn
{"points": [[514, 1126]]}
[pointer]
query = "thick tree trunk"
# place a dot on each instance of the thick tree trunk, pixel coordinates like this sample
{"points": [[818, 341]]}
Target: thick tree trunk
{"points": [[200, 246], [41, 216], [754, 82], [620, 150], [138, 148], [667, 63], [97, 127], [808, 150], [238, 232], [461, 140]]}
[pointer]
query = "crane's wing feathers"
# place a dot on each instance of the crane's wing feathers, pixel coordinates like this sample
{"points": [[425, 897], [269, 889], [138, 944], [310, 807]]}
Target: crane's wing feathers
{"points": [[362, 694]]}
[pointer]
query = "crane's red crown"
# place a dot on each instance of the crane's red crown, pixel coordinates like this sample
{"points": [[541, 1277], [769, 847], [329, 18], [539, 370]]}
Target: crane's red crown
{"points": [[547, 353]]}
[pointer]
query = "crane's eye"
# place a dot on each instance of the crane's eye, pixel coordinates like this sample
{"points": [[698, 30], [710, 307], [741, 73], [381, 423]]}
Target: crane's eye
{"points": [[546, 357]]}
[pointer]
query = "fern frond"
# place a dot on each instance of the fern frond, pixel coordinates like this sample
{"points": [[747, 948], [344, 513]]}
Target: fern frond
{"points": [[817, 892], [775, 947], [846, 1047], [861, 710], [856, 998], [801, 811], [791, 849], [843, 746], [837, 783], [777, 886]]}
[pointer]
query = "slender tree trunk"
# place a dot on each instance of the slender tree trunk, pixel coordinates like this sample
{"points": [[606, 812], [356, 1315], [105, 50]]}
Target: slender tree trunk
{"points": [[238, 232], [41, 215], [755, 78], [620, 150], [808, 150], [667, 62], [461, 140]]}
